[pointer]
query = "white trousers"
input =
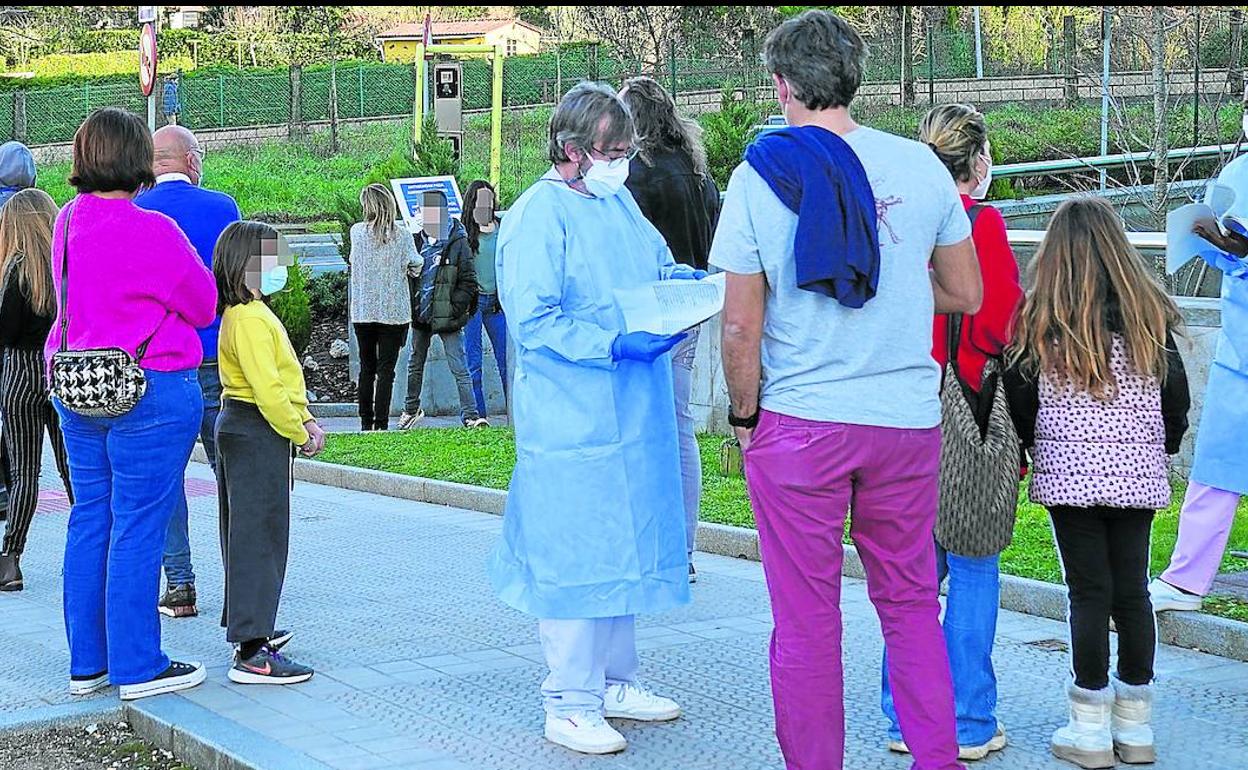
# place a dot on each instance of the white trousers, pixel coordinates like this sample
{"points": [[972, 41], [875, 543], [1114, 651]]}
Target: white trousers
{"points": [[584, 657]]}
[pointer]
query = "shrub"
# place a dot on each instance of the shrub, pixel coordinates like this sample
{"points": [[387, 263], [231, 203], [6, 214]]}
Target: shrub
{"points": [[291, 306], [727, 133], [327, 295]]}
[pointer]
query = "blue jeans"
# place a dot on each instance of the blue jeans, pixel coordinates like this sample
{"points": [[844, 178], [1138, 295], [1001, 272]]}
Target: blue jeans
{"points": [[970, 625], [127, 475], [178, 570], [490, 315]]}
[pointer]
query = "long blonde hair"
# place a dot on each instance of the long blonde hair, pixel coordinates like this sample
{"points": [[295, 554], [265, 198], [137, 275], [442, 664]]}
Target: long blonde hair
{"points": [[1087, 284], [380, 211], [26, 222]]}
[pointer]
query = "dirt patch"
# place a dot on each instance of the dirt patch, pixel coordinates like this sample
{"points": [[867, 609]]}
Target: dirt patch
{"points": [[331, 380], [103, 745]]}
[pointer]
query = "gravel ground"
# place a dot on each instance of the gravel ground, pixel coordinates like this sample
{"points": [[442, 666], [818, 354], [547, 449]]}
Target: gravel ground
{"points": [[103, 745]]}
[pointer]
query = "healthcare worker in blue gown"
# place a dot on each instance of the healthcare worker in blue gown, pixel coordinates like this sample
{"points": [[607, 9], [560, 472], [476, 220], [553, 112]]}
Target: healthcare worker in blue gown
{"points": [[1219, 475], [593, 532]]}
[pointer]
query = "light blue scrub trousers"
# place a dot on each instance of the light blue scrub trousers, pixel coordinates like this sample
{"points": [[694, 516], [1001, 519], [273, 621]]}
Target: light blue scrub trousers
{"points": [[585, 657]]}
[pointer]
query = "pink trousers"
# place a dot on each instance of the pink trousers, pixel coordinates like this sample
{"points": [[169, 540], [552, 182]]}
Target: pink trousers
{"points": [[1204, 527], [803, 478]]}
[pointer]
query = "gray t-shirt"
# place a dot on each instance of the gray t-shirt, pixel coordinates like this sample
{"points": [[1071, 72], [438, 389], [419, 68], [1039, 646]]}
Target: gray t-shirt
{"points": [[821, 360]]}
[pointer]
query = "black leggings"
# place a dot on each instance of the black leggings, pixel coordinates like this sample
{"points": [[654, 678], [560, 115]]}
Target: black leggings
{"points": [[379, 352], [1105, 556]]}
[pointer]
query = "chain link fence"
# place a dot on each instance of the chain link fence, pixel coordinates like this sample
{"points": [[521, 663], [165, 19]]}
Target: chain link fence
{"points": [[1007, 63]]}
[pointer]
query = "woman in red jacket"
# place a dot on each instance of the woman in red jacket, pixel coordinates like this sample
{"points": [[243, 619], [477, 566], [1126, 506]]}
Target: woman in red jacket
{"points": [[959, 137]]}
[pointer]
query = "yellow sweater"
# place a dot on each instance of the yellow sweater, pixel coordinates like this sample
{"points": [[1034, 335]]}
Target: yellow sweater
{"points": [[259, 366]]}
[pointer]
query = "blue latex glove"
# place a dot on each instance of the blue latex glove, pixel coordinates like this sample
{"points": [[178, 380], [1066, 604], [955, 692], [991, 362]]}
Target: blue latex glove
{"points": [[697, 275], [643, 346]]}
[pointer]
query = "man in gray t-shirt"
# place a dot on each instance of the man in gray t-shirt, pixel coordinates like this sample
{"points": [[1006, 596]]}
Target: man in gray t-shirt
{"points": [[837, 405]]}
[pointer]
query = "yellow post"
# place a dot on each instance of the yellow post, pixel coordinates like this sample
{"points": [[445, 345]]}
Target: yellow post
{"points": [[496, 122], [418, 109]]}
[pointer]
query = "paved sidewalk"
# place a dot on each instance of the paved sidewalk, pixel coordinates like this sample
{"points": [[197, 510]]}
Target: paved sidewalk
{"points": [[419, 666]]}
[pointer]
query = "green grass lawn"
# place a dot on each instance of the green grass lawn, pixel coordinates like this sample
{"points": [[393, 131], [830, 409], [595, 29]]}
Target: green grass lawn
{"points": [[485, 458]]}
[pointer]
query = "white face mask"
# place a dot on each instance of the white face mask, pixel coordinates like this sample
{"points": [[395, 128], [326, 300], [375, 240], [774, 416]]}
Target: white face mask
{"points": [[605, 178], [981, 190], [1244, 123]]}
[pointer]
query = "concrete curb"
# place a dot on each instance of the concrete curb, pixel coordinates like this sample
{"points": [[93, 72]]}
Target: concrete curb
{"points": [[86, 712], [207, 741], [1190, 630]]}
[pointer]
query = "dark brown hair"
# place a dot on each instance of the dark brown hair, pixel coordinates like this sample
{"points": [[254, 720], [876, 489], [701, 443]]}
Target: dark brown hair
{"points": [[660, 127], [112, 151], [238, 245]]}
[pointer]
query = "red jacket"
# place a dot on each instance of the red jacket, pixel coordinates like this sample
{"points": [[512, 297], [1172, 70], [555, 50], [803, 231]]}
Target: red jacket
{"points": [[986, 333]]}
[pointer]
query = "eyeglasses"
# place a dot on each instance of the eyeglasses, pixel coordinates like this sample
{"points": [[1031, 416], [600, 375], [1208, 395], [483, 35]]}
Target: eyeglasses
{"points": [[628, 154]]}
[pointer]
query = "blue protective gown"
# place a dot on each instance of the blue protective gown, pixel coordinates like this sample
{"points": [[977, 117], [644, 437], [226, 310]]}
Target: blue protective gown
{"points": [[594, 525], [1219, 460]]}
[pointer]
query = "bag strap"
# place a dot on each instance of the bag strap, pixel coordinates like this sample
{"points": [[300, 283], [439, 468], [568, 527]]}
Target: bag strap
{"points": [[142, 349], [953, 336], [65, 282], [973, 212]]}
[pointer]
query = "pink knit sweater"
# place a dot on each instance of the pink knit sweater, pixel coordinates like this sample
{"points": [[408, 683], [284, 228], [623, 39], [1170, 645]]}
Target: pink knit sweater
{"points": [[132, 272]]}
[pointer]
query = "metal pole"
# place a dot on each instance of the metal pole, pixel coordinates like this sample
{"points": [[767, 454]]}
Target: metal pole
{"points": [[979, 47], [421, 94], [496, 127], [151, 110], [931, 67], [1107, 23], [1196, 81]]}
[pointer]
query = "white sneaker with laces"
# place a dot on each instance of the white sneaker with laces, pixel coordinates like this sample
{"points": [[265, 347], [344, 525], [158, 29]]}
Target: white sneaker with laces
{"points": [[408, 421], [1167, 597], [632, 701], [586, 732]]}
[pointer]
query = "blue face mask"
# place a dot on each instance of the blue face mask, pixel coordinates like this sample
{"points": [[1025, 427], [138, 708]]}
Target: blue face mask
{"points": [[273, 281]]}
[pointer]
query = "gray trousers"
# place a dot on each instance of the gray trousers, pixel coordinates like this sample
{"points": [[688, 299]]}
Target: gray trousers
{"points": [[253, 490], [690, 457], [453, 344]]}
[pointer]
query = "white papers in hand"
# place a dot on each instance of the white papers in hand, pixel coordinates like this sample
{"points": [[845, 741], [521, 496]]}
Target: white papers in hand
{"points": [[1182, 245], [670, 307]]}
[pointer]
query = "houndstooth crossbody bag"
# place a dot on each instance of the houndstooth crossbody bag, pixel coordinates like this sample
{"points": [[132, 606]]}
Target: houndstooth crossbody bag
{"points": [[99, 382]]}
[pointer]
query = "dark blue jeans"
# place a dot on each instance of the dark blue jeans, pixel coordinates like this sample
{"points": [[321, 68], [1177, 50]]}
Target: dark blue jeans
{"points": [[489, 315], [178, 570], [127, 474]]}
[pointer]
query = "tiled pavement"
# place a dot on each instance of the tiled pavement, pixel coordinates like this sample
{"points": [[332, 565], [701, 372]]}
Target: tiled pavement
{"points": [[418, 665]]}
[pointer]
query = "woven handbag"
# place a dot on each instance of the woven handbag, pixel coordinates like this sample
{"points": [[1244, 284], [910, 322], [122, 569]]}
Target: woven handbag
{"points": [[979, 458], [99, 382]]}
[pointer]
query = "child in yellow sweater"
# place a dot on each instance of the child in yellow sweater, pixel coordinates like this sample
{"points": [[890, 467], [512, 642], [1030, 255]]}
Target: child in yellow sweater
{"points": [[264, 416]]}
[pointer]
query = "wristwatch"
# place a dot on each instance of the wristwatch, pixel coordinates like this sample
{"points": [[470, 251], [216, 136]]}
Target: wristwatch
{"points": [[749, 423]]}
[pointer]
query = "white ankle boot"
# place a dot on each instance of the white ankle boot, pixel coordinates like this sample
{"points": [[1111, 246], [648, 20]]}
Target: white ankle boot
{"points": [[1132, 714], [1087, 740]]}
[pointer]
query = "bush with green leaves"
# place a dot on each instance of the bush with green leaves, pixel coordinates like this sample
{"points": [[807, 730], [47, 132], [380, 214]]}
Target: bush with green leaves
{"points": [[728, 132], [292, 308], [327, 295]]}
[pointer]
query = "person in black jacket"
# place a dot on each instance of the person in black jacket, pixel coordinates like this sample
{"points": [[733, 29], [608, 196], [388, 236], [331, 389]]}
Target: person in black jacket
{"points": [[26, 313], [670, 183], [444, 297]]}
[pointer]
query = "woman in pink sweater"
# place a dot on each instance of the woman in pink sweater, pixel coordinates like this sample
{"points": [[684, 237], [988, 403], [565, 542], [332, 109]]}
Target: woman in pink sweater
{"points": [[125, 277]]}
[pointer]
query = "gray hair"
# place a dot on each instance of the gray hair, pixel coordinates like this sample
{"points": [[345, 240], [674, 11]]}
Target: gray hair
{"points": [[580, 114], [820, 56]]}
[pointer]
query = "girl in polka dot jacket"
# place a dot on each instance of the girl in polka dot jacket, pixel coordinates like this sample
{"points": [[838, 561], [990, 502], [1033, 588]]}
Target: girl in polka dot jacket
{"points": [[1099, 397]]}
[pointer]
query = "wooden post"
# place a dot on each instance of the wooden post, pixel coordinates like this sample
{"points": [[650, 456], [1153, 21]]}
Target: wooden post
{"points": [[907, 58], [1068, 57]]}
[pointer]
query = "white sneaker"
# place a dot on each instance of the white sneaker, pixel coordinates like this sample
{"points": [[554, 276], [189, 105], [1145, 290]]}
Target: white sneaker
{"points": [[179, 676], [586, 732], [632, 701], [965, 753], [88, 685], [408, 421], [1166, 597]]}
